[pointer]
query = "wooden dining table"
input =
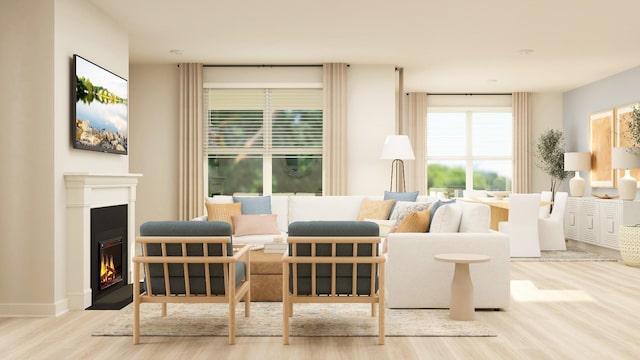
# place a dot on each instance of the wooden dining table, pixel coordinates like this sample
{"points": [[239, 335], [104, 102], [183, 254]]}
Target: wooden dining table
{"points": [[499, 208]]}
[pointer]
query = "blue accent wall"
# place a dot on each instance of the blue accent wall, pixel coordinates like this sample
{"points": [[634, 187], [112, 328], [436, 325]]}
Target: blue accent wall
{"points": [[578, 104]]}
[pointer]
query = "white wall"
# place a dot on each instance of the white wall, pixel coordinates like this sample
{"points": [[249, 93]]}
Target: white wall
{"points": [[27, 278], [371, 113], [36, 142], [153, 94]]}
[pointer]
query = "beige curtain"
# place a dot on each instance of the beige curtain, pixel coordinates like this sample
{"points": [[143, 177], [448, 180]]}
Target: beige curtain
{"points": [[414, 126], [399, 98], [521, 131], [191, 160], [334, 136]]}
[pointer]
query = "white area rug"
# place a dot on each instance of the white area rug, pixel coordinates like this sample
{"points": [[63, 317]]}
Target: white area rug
{"points": [[308, 320]]}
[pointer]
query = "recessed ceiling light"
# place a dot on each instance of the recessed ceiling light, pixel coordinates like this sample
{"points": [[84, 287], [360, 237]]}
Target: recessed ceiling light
{"points": [[525, 51], [176, 52]]}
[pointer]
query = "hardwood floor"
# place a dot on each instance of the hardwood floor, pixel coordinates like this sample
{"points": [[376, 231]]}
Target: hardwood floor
{"points": [[561, 310]]}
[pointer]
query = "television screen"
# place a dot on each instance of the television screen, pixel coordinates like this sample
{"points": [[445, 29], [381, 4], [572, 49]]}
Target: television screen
{"points": [[99, 114]]}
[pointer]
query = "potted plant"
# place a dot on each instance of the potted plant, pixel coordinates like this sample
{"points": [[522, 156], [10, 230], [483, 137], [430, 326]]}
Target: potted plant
{"points": [[629, 236], [550, 154], [634, 129]]}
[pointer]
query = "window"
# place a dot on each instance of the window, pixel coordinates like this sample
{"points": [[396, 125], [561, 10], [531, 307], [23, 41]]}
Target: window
{"points": [[263, 140], [469, 150]]}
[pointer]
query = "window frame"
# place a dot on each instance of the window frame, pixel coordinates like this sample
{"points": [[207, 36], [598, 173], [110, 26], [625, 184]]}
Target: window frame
{"points": [[468, 158], [267, 152]]}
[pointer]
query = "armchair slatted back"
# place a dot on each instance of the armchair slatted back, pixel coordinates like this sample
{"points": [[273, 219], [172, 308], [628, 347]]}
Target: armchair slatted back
{"points": [[333, 262]]}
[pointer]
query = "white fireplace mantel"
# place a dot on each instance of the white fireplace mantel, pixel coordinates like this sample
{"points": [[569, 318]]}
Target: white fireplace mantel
{"points": [[85, 191]]}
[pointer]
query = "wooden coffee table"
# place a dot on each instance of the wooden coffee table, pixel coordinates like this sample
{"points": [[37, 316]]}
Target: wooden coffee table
{"points": [[266, 276], [462, 307]]}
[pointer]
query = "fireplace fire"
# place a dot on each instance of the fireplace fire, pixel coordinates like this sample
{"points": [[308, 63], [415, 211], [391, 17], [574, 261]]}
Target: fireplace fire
{"points": [[110, 262]]}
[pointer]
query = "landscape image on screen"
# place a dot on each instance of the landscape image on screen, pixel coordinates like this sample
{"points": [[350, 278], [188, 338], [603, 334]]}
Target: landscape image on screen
{"points": [[101, 117]]}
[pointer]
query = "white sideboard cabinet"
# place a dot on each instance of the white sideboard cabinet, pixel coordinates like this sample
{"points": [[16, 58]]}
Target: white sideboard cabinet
{"points": [[596, 221]]}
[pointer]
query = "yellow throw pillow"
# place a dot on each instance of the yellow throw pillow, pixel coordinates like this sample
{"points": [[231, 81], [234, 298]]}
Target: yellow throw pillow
{"points": [[375, 209], [223, 212], [415, 222]]}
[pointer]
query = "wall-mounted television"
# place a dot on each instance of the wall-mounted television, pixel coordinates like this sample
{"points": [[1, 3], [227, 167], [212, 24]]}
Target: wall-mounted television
{"points": [[99, 110]]}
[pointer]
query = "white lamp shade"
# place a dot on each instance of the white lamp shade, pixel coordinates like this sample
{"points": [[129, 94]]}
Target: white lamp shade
{"points": [[397, 147], [577, 161], [624, 158]]}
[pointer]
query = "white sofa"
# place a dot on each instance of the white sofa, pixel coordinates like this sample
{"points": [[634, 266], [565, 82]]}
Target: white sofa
{"points": [[414, 279], [305, 208]]}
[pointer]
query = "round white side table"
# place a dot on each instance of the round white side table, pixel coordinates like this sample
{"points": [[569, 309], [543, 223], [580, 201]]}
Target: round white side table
{"points": [[461, 307]]}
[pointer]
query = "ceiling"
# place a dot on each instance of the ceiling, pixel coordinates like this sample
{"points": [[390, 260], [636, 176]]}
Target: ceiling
{"points": [[460, 46]]}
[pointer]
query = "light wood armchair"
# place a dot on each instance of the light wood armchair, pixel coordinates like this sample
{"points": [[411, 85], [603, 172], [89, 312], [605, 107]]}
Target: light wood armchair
{"points": [[320, 266], [190, 262]]}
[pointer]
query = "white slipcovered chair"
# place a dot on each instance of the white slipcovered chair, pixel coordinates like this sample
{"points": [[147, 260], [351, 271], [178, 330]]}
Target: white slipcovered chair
{"points": [[551, 229], [522, 226], [546, 209]]}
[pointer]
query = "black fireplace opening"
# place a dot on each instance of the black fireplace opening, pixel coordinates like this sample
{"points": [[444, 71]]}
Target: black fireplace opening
{"points": [[109, 258], [111, 262]]}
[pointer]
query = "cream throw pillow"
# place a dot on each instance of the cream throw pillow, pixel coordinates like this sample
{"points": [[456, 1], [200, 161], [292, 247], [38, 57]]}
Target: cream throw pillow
{"points": [[446, 219], [375, 209], [383, 225], [223, 212], [262, 224]]}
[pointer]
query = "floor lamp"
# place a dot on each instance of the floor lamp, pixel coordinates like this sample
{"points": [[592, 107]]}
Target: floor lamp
{"points": [[577, 161], [625, 158], [397, 148]]}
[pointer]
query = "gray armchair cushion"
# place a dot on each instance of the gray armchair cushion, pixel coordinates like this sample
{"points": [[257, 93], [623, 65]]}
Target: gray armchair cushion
{"points": [[344, 272], [196, 271]]}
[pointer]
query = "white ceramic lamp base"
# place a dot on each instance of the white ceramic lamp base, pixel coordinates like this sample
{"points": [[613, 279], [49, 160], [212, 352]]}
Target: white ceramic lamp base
{"points": [[627, 187], [576, 185]]}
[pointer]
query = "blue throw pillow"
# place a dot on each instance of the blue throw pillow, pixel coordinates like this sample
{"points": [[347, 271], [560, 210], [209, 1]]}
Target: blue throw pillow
{"points": [[401, 196], [254, 205], [435, 207]]}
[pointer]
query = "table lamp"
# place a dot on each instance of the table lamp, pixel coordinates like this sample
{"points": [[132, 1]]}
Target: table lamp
{"points": [[626, 158], [397, 148], [577, 161]]}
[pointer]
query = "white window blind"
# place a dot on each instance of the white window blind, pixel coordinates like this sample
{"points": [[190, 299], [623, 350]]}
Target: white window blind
{"points": [[263, 121]]}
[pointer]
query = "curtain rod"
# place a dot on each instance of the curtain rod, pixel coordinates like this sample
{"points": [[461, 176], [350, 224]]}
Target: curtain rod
{"points": [[264, 65], [469, 94]]}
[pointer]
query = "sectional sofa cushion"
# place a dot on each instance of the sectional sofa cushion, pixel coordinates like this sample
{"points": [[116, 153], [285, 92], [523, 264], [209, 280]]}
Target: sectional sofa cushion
{"points": [[219, 199], [254, 205], [324, 208], [375, 209], [384, 225], [476, 219]]}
